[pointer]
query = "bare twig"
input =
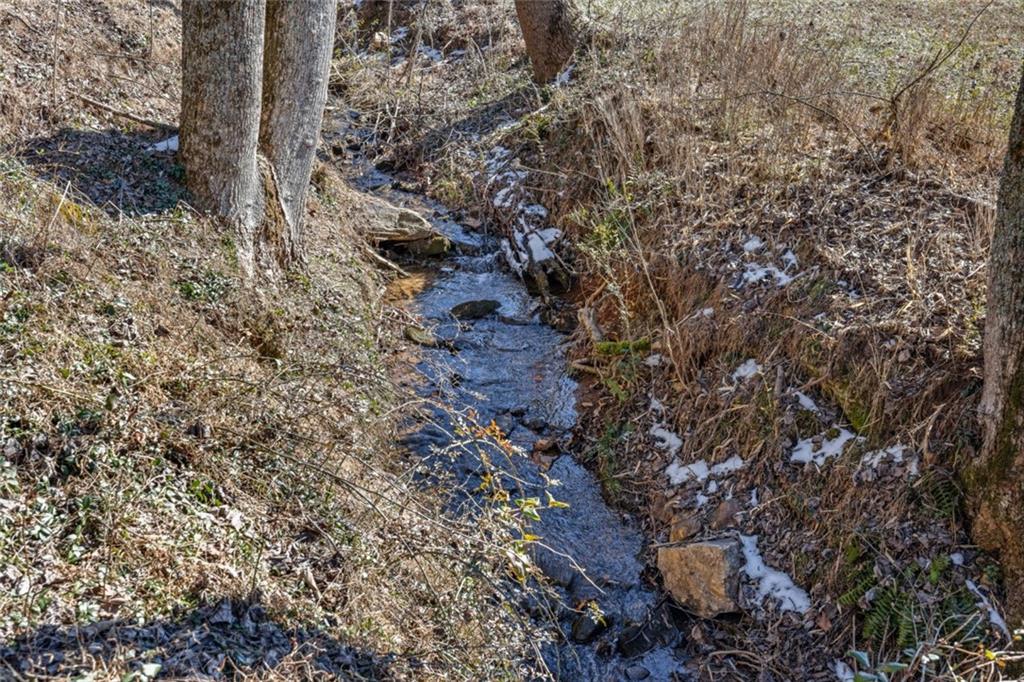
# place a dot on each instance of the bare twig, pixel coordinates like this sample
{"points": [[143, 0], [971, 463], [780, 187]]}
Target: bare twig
{"points": [[125, 114]]}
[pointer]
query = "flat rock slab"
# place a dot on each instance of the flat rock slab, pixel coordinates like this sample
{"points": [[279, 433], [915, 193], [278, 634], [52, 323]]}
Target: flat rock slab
{"points": [[703, 576]]}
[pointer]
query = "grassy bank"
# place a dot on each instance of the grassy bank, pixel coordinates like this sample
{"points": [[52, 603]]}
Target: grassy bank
{"points": [[802, 190], [197, 472]]}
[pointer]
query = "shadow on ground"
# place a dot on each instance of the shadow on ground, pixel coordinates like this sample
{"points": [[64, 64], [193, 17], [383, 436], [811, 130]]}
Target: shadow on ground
{"points": [[230, 639], [113, 169]]}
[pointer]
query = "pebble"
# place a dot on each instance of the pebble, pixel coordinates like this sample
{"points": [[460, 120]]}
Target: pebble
{"points": [[637, 672]]}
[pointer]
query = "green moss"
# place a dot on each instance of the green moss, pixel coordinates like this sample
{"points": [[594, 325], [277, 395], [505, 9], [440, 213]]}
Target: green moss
{"points": [[622, 347]]}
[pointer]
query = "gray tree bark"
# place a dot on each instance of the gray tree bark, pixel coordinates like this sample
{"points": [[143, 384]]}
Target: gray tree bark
{"points": [[254, 85], [222, 73], [551, 29], [297, 59], [995, 483]]}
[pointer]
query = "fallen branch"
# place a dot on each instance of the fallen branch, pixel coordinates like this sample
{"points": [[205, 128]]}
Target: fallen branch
{"points": [[125, 114]]}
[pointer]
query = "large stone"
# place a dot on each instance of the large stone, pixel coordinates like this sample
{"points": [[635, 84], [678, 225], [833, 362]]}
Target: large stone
{"points": [[703, 576], [474, 310], [384, 223]]}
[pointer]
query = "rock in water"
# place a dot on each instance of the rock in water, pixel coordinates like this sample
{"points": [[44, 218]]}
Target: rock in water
{"points": [[421, 336], [473, 310], [703, 576], [585, 628], [384, 223]]}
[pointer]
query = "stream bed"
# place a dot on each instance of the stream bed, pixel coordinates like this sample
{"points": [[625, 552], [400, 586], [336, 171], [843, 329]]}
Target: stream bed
{"points": [[499, 362]]}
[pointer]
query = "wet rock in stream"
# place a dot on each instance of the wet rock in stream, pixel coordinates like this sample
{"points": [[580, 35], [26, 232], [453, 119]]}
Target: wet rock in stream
{"points": [[474, 310]]}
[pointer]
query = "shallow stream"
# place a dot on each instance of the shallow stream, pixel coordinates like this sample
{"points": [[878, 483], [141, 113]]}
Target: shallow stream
{"points": [[499, 362]]}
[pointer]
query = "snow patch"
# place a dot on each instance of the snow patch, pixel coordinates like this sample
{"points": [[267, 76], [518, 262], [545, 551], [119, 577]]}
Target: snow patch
{"points": [[755, 272], [993, 615], [679, 473], [564, 77], [746, 370], [666, 439], [771, 582], [806, 451], [168, 145], [431, 53], [753, 244], [895, 453], [844, 673], [653, 360], [806, 402], [734, 463], [789, 259]]}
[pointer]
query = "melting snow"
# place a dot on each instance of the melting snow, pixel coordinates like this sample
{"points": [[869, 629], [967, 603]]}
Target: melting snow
{"points": [[679, 473], [789, 259], [657, 405], [957, 558], [564, 77], [873, 459], [771, 582], [844, 673], [755, 273], [539, 250], [168, 145], [753, 244], [746, 370], [503, 197], [806, 402], [734, 463], [666, 439], [895, 453], [753, 497], [653, 360], [431, 53], [707, 312], [805, 451], [993, 615]]}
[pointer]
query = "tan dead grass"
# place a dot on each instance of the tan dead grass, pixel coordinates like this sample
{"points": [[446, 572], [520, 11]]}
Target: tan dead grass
{"points": [[820, 129]]}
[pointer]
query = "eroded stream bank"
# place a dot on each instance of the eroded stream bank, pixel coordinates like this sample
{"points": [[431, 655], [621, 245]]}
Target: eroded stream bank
{"points": [[488, 358]]}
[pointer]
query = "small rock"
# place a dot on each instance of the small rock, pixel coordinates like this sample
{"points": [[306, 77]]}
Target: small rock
{"points": [[637, 672], [472, 310], [683, 527], [585, 628], [544, 444], [432, 246], [725, 514], [703, 576], [420, 336]]}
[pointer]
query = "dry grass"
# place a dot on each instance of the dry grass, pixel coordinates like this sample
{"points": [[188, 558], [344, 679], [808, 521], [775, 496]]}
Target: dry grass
{"points": [[862, 137], [173, 438], [194, 470]]}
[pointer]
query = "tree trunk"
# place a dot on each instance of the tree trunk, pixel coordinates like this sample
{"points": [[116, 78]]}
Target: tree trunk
{"points": [[222, 71], [551, 31], [996, 481], [297, 58]]}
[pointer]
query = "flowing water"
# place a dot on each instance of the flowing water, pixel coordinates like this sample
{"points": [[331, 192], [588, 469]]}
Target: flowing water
{"points": [[507, 366]]}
